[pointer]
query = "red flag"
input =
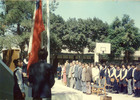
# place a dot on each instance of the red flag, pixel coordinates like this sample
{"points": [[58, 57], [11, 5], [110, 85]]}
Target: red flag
{"points": [[36, 41]]}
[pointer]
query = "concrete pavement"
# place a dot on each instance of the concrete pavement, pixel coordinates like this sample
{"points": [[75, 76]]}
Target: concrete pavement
{"points": [[61, 92]]}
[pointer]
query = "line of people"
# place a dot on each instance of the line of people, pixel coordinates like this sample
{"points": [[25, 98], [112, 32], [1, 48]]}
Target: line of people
{"points": [[119, 78]]}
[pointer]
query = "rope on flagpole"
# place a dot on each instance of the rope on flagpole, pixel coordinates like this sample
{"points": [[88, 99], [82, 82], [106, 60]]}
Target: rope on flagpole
{"points": [[48, 32], [31, 36]]}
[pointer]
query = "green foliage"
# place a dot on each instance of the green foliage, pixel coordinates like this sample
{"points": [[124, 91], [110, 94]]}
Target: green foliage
{"points": [[73, 34], [124, 37], [56, 44], [16, 11], [10, 41], [56, 32], [73, 38]]}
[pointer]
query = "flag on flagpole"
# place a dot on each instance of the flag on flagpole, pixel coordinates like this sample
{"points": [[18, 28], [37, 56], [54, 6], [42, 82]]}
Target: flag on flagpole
{"points": [[36, 38]]}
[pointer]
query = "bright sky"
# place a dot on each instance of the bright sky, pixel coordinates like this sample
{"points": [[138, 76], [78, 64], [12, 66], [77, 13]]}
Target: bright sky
{"points": [[106, 10]]}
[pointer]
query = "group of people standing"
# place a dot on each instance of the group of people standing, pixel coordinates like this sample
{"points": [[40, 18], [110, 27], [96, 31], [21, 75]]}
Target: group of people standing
{"points": [[40, 78], [123, 78], [76, 75]]}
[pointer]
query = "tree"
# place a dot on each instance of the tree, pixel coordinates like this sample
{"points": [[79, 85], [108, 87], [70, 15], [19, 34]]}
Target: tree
{"points": [[96, 31], [15, 13], [17, 19], [124, 37], [73, 38], [56, 31]]}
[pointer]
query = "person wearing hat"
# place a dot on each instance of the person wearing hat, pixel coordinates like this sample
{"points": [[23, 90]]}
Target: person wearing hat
{"points": [[18, 90]]}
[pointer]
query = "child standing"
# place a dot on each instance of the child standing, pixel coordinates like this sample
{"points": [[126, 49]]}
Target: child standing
{"points": [[18, 81]]}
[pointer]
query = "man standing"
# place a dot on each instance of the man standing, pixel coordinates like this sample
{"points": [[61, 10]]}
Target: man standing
{"points": [[67, 73], [80, 77], [41, 77], [73, 75], [76, 74]]}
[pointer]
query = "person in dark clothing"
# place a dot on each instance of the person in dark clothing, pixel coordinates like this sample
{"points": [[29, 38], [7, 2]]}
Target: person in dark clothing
{"points": [[112, 75], [123, 79], [59, 69], [129, 79], [107, 74], [18, 90], [102, 75], [117, 79], [137, 81], [41, 77]]}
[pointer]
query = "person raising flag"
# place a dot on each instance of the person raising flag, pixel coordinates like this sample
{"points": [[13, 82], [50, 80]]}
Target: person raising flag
{"points": [[36, 36]]}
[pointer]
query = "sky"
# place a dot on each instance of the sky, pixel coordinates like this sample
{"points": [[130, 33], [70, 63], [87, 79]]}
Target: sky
{"points": [[106, 10]]}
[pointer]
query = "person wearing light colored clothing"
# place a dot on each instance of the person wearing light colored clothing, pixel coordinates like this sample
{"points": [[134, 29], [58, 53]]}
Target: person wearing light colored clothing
{"points": [[80, 77], [134, 68], [88, 79], [70, 73], [73, 73], [67, 72], [95, 74], [64, 75], [117, 79], [19, 91], [76, 75], [84, 78], [123, 78], [112, 74]]}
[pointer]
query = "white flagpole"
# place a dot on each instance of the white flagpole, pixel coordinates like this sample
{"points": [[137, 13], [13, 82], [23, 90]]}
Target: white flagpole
{"points": [[31, 36], [48, 32]]}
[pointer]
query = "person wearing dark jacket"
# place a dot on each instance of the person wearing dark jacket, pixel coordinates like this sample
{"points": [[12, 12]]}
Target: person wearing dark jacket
{"points": [[102, 75], [117, 79], [129, 79], [123, 79], [18, 91], [59, 69], [41, 77], [137, 81]]}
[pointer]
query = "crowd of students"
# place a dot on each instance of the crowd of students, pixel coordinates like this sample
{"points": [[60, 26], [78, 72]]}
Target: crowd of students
{"points": [[123, 78]]}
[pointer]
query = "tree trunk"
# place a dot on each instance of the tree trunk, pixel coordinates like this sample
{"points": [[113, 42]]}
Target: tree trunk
{"points": [[126, 57], [18, 29]]}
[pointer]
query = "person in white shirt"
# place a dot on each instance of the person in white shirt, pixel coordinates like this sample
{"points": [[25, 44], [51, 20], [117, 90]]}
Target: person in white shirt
{"points": [[133, 83], [19, 91], [117, 79], [95, 74], [112, 74], [107, 74], [72, 77], [70, 73], [123, 79], [84, 70]]}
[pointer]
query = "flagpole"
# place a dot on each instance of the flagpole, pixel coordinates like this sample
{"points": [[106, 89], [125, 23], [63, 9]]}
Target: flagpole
{"points": [[48, 32], [31, 36]]}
